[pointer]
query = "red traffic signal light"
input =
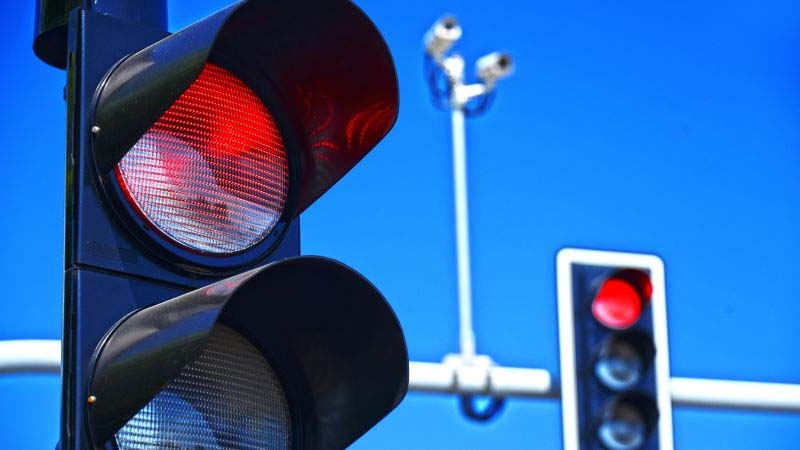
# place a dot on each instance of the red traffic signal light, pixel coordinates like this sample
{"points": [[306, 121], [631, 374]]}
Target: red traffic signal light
{"points": [[210, 141], [619, 301]]}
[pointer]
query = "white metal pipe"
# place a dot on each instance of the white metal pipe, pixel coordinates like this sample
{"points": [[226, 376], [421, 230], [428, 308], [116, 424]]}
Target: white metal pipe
{"points": [[512, 382], [735, 394], [535, 383], [466, 332], [496, 380], [431, 377], [44, 356], [30, 356]]}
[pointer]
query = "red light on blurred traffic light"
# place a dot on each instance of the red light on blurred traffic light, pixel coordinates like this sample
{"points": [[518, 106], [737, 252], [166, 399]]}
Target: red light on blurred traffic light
{"points": [[619, 301]]}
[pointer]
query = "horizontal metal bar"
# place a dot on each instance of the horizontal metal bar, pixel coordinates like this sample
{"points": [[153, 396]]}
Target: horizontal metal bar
{"points": [[31, 356], [44, 356], [536, 383], [735, 394], [495, 380]]}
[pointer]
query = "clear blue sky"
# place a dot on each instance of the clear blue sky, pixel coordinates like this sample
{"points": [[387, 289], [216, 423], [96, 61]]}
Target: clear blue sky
{"points": [[666, 128]]}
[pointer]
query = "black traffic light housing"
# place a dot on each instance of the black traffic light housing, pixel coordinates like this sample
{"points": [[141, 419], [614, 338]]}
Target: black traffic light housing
{"points": [[325, 74], [613, 351]]}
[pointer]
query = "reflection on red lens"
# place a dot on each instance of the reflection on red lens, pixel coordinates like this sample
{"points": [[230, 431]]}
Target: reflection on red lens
{"points": [[212, 173], [618, 304]]}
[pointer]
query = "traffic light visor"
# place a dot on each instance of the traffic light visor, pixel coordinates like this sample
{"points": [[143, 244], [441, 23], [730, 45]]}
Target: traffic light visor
{"points": [[219, 135], [304, 353]]}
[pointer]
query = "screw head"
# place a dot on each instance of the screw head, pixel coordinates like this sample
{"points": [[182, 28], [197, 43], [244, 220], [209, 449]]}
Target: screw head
{"points": [[91, 399], [95, 129]]}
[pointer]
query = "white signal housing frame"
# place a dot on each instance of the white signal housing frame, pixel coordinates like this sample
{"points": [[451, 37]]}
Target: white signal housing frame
{"points": [[565, 259]]}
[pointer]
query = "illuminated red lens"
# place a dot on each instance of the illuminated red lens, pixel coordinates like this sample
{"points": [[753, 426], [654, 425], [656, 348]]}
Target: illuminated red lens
{"points": [[211, 174], [618, 304]]}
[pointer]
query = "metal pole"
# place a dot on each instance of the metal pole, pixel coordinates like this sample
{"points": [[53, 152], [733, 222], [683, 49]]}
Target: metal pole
{"points": [[496, 381], [735, 394], [43, 356], [466, 332], [30, 356], [536, 383]]}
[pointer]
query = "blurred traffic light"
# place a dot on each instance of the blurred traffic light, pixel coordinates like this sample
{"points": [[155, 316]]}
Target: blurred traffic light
{"points": [[614, 356], [190, 321]]}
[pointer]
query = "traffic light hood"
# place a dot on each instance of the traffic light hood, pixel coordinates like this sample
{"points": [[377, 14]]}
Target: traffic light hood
{"points": [[330, 335], [320, 67]]}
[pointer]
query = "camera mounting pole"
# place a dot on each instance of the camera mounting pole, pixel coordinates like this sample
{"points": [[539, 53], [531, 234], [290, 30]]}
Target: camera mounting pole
{"points": [[446, 78]]}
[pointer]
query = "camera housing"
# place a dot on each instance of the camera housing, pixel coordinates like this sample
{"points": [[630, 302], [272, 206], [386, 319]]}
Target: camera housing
{"points": [[441, 37], [494, 66]]}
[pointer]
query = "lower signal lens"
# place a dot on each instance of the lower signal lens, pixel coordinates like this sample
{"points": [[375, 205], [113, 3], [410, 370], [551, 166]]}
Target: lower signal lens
{"points": [[627, 422], [229, 398], [624, 430], [211, 174]]}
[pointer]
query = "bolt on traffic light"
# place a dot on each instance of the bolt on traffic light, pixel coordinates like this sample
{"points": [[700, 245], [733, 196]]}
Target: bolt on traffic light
{"points": [[190, 321], [613, 350]]}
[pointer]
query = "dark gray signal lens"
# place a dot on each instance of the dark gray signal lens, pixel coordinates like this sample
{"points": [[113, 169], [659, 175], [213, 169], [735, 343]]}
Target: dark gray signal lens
{"points": [[627, 422], [623, 360], [229, 398]]}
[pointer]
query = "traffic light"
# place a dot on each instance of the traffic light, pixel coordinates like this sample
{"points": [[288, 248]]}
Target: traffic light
{"points": [[190, 320], [613, 349]]}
